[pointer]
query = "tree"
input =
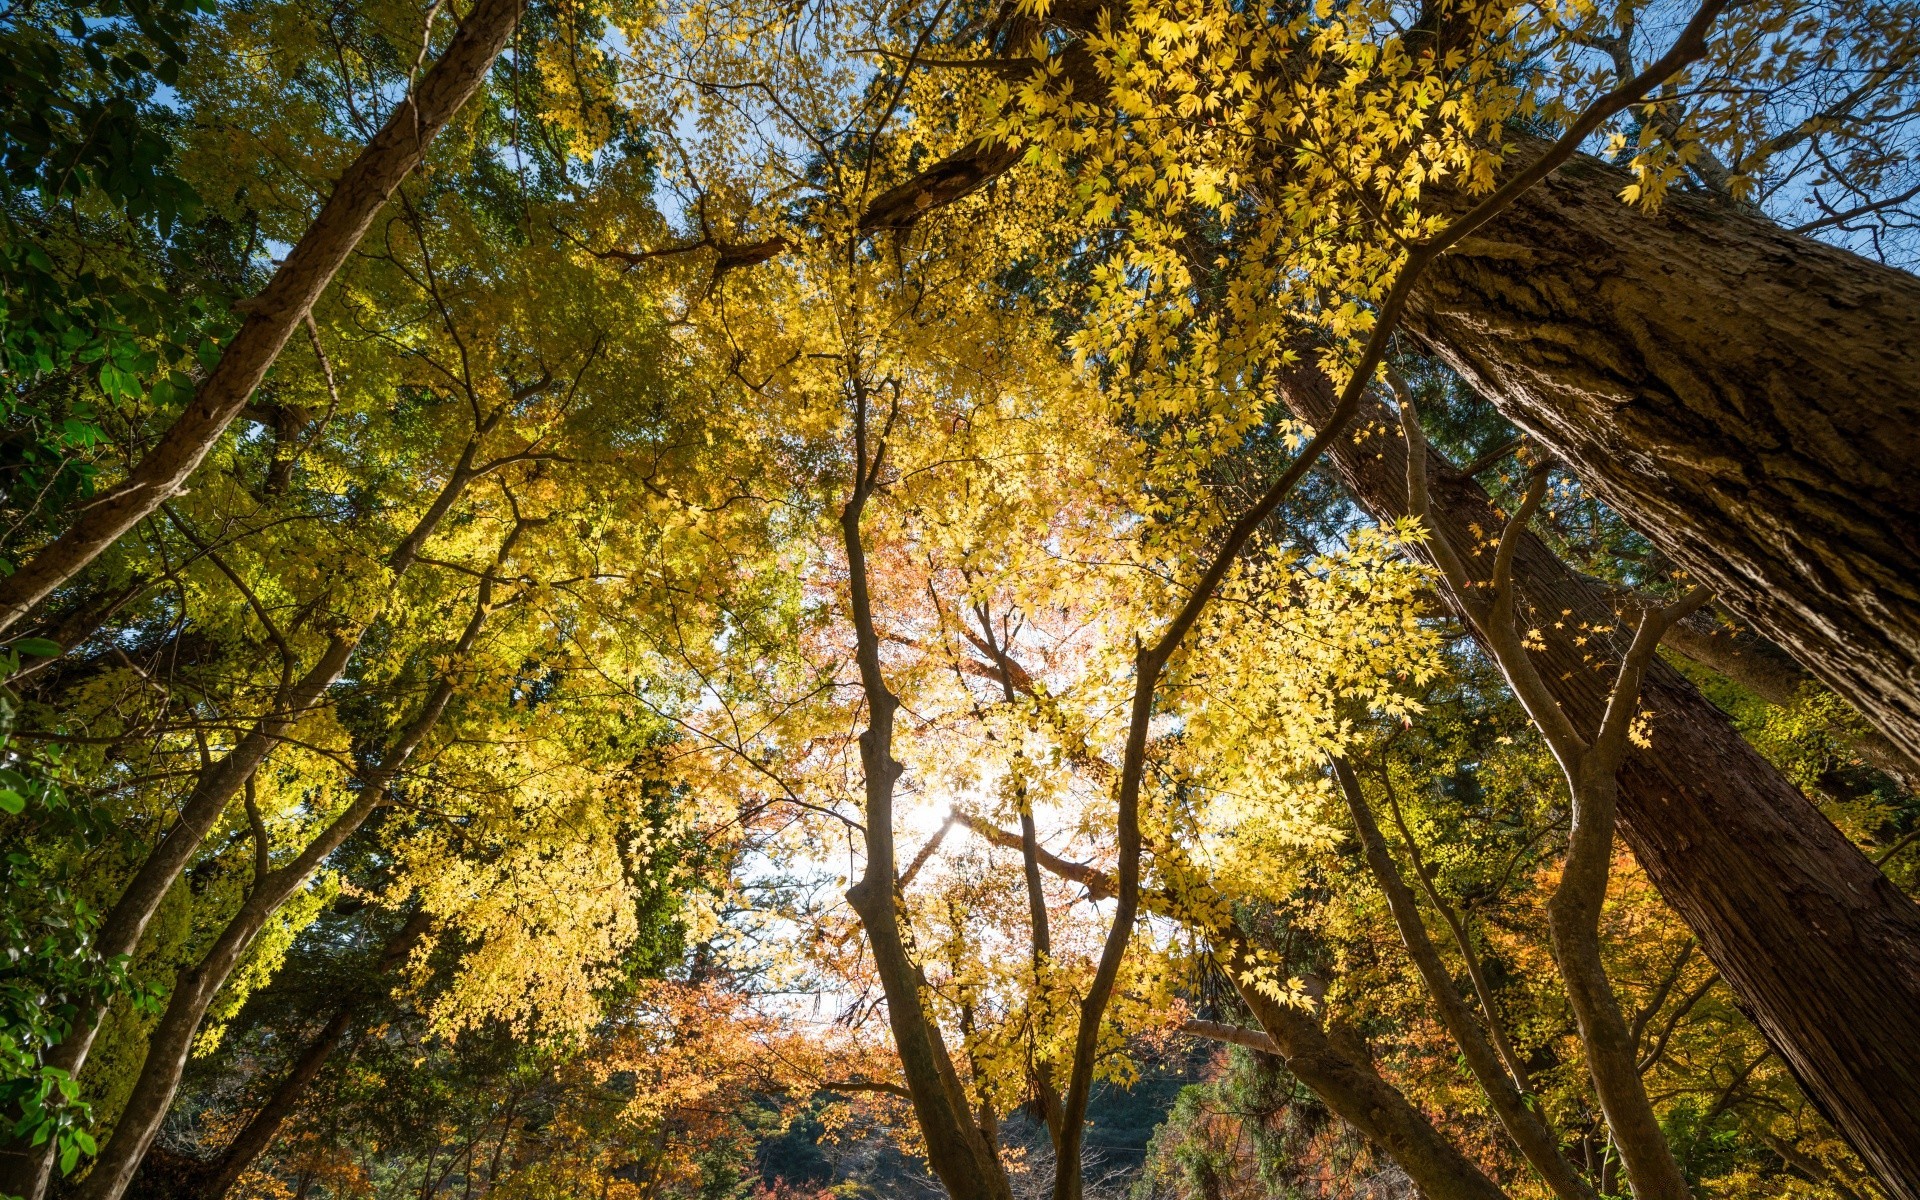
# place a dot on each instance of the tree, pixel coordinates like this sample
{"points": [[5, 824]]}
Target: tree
{"points": [[1698, 801], [1524, 310], [272, 316], [1736, 391]]}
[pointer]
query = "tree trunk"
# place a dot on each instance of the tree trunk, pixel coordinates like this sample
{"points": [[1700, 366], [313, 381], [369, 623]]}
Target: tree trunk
{"points": [[1516, 1114], [1747, 398], [219, 1176], [265, 1124], [24, 1171], [196, 988], [359, 195], [1343, 1079], [1823, 951], [1356, 1093], [957, 1150]]}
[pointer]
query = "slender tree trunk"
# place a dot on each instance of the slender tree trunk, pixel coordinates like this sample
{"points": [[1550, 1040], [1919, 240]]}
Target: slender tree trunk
{"points": [[1347, 1085], [956, 1149], [272, 316], [24, 1171], [1747, 398], [195, 989], [265, 1124], [1522, 1122], [1823, 951], [1356, 1093]]}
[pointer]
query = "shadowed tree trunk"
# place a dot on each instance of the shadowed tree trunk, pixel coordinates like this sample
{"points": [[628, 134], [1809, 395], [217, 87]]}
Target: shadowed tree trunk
{"points": [[1340, 1073], [957, 1149], [215, 1179], [1747, 398], [24, 1171], [1823, 952]]}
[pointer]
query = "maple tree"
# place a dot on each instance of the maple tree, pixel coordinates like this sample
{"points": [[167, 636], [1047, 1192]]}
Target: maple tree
{"points": [[946, 516]]}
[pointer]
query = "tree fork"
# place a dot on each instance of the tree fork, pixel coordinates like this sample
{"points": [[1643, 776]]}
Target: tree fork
{"points": [[957, 1149], [196, 988], [1348, 1086], [1823, 951], [1747, 398]]}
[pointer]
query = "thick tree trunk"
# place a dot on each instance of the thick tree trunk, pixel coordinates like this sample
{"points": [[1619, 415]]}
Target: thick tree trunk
{"points": [[1747, 398], [1823, 952]]}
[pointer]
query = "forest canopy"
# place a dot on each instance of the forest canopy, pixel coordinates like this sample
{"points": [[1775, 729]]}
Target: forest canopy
{"points": [[1178, 600]]}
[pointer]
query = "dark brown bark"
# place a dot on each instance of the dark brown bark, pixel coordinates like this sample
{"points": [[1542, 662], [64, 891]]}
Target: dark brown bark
{"points": [[1822, 950], [1769, 672], [1747, 398], [272, 315]]}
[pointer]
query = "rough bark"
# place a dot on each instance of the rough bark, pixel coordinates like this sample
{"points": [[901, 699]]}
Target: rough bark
{"points": [[1823, 951], [271, 316], [1747, 398]]}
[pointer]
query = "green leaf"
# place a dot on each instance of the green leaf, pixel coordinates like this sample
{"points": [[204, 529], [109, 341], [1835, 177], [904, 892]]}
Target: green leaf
{"points": [[39, 647], [11, 802]]}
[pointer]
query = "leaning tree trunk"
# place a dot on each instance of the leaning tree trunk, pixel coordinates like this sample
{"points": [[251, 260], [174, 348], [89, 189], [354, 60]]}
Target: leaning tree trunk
{"points": [[271, 317], [1822, 951], [1747, 398]]}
